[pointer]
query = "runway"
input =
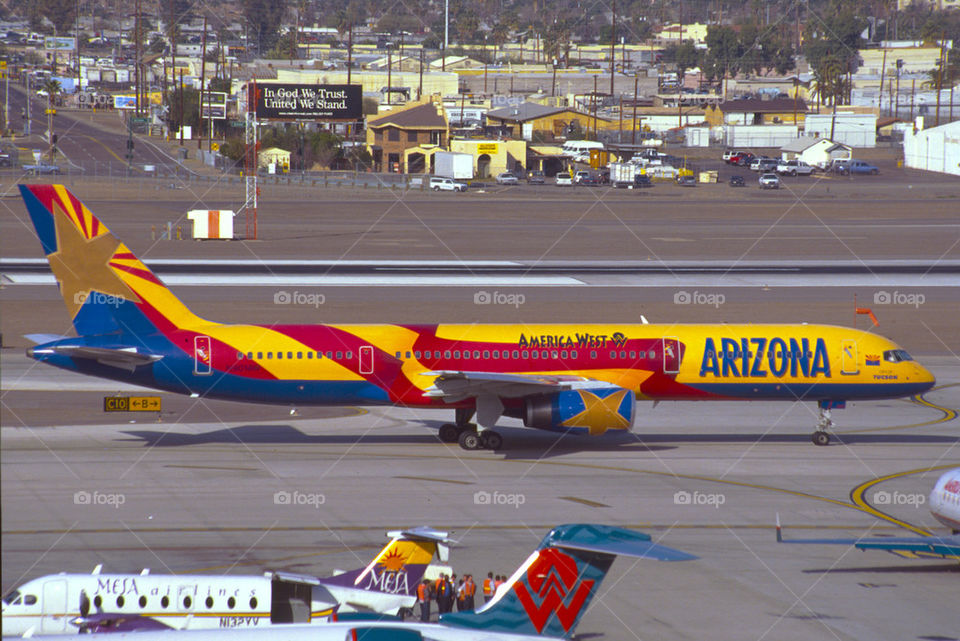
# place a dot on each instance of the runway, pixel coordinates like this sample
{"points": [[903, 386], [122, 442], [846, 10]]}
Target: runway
{"points": [[198, 495]]}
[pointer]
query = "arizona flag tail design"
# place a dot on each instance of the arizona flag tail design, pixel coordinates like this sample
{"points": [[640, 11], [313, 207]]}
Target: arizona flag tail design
{"points": [[549, 593], [105, 287]]}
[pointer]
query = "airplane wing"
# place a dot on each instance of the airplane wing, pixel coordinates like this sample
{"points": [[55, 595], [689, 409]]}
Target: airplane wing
{"points": [[127, 358], [913, 546], [452, 385]]}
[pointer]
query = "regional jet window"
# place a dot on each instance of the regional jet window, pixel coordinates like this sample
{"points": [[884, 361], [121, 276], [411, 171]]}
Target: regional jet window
{"points": [[13, 598], [253, 603], [97, 601], [29, 599], [187, 601], [209, 602], [164, 602], [120, 601], [231, 602], [143, 602]]}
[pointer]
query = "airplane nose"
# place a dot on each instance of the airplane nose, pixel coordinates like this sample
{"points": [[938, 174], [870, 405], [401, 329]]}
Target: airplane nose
{"points": [[926, 377]]}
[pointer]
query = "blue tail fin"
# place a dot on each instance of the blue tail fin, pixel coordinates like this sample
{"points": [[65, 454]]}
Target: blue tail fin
{"points": [[549, 593]]}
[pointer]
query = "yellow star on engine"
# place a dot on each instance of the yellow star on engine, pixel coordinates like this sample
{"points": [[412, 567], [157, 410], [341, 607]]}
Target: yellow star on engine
{"points": [[81, 265], [599, 414]]}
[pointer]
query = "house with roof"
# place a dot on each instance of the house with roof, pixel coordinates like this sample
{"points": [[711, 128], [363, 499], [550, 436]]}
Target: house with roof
{"points": [[455, 63], [818, 152], [392, 133], [778, 111], [528, 118]]}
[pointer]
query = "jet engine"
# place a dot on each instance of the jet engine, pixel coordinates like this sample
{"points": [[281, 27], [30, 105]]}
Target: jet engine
{"points": [[586, 411]]}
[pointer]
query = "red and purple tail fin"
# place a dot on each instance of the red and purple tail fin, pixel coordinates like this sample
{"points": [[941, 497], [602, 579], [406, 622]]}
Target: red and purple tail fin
{"points": [[549, 593], [105, 287]]}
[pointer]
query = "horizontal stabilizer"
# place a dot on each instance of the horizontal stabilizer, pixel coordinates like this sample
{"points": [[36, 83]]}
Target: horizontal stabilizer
{"points": [[127, 358], [613, 541], [39, 339], [421, 533], [292, 577]]}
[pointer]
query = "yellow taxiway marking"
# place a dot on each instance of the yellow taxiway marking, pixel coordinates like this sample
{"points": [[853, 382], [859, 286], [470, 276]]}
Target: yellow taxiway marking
{"points": [[948, 415], [856, 495]]}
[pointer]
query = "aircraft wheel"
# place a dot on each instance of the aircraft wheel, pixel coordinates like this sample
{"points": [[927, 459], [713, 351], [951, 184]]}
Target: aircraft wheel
{"points": [[469, 440], [491, 440], [449, 433], [820, 438]]}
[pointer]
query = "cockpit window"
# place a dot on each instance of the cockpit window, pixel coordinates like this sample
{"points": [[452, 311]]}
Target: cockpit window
{"points": [[13, 598], [29, 599], [896, 356]]}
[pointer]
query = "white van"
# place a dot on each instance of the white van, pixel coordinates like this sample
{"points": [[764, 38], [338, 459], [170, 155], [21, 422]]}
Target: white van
{"points": [[574, 148]]}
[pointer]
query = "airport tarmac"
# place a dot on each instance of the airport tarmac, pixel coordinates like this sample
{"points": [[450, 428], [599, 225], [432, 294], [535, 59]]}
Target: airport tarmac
{"points": [[198, 492], [195, 489]]}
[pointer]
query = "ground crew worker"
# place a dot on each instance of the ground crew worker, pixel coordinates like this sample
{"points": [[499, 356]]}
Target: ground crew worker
{"points": [[497, 582], [461, 596], [444, 594], [423, 598], [469, 593], [488, 587]]}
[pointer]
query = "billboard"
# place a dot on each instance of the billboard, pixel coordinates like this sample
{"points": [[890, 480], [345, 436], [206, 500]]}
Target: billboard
{"points": [[309, 102]]}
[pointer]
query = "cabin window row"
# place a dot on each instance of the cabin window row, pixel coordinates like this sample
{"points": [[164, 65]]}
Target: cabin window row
{"points": [[521, 354], [165, 602], [339, 356]]}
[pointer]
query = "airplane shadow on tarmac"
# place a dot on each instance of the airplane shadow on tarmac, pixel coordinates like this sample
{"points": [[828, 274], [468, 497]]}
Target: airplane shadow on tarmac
{"points": [[914, 568], [518, 442]]}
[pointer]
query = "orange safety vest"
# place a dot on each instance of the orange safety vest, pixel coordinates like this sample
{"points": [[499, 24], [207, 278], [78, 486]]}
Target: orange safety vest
{"points": [[487, 586], [422, 593], [470, 588]]}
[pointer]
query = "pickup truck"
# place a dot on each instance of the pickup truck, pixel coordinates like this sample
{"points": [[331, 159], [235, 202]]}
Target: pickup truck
{"points": [[794, 168], [41, 169]]}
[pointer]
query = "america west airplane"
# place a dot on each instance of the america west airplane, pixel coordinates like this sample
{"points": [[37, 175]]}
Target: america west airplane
{"points": [[544, 598], [68, 603], [944, 506], [574, 378]]}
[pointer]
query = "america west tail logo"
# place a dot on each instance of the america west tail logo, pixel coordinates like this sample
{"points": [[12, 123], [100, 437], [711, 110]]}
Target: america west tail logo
{"points": [[553, 586]]}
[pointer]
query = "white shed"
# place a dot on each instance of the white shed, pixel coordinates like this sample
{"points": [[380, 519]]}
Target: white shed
{"points": [[934, 149], [818, 152]]}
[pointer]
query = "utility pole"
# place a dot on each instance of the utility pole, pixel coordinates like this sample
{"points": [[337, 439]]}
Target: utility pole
{"points": [[883, 69], [203, 80], [940, 66], [613, 44], [136, 55], [181, 107], [389, 73], [636, 85], [420, 87], [896, 108]]}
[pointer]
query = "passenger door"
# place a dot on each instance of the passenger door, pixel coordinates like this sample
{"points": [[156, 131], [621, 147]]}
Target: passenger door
{"points": [[848, 357], [54, 607], [671, 355], [202, 356], [366, 359]]}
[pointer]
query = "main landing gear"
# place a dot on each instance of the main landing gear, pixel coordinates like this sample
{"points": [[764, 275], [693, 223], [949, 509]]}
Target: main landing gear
{"points": [[467, 435], [822, 436]]}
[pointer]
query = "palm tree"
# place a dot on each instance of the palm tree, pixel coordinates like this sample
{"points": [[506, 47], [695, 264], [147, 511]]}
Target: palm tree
{"points": [[52, 89]]}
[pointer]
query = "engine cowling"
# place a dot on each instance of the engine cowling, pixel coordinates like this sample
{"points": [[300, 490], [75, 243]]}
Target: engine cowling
{"points": [[584, 411]]}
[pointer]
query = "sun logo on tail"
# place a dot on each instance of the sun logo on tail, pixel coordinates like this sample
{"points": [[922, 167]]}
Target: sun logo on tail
{"points": [[393, 562], [551, 586]]}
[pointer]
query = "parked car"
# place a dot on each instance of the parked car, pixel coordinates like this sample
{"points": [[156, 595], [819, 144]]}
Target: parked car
{"points": [[42, 168], [439, 183], [764, 165], [590, 179], [642, 181], [744, 159], [861, 167], [536, 177], [727, 153], [564, 179], [579, 176], [687, 181], [794, 168], [506, 178], [737, 181], [769, 181], [731, 157]]}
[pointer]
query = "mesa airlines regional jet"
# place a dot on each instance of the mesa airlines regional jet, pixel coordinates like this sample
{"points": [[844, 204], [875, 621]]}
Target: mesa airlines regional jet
{"points": [[944, 506], [544, 598], [68, 603], [576, 378]]}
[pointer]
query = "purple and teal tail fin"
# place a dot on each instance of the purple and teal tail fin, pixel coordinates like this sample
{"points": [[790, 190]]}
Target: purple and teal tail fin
{"points": [[106, 288], [549, 593]]}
